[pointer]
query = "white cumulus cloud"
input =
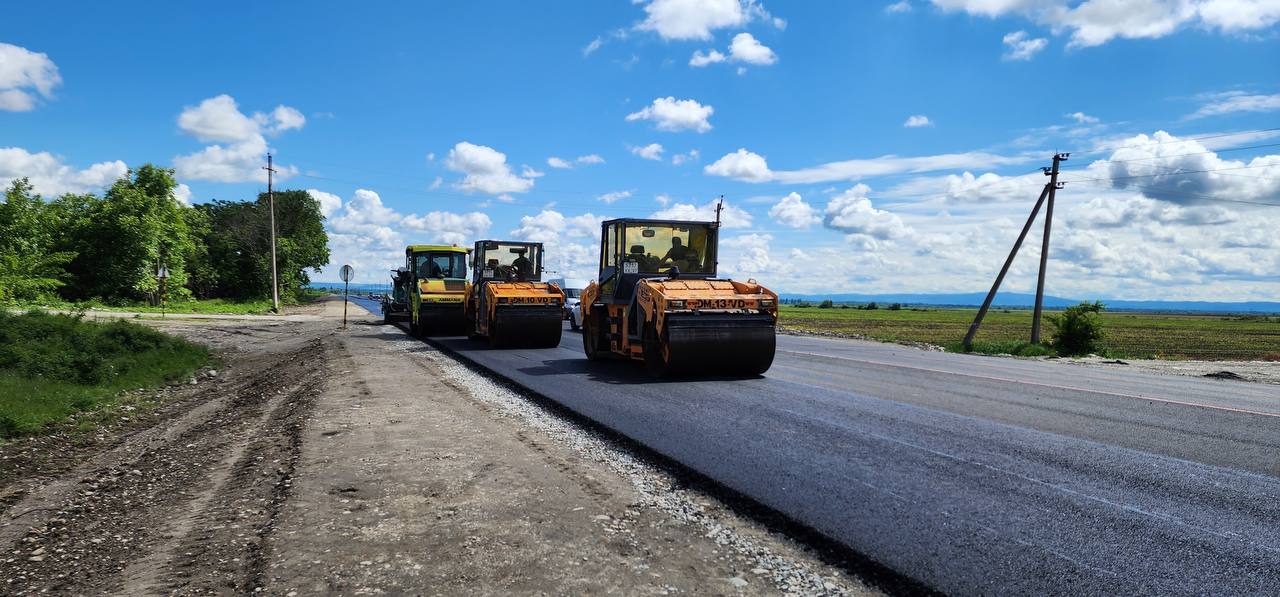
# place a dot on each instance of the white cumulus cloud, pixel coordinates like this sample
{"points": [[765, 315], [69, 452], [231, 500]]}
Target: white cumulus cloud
{"points": [[1096, 22], [240, 146], [652, 151], [1020, 46], [732, 216], [614, 196], [329, 203], [746, 48], [742, 165], [486, 170], [51, 177], [670, 114], [917, 121], [793, 212], [694, 19], [25, 76], [852, 213], [700, 58]]}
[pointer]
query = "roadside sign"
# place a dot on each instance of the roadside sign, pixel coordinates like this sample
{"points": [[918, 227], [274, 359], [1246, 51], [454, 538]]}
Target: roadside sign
{"points": [[347, 272]]}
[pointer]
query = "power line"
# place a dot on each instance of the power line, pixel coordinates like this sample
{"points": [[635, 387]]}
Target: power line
{"points": [[1170, 173], [1206, 197], [1178, 140], [1178, 155]]}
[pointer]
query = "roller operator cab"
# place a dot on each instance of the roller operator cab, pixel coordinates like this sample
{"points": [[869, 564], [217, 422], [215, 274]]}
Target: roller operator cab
{"points": [[437, 288], [657, 299], [508, 302]]}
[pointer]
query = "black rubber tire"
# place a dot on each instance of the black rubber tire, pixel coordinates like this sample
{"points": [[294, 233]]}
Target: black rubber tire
{"points": [[553, 336], [591, 339], [654, 362], [495, 334]]}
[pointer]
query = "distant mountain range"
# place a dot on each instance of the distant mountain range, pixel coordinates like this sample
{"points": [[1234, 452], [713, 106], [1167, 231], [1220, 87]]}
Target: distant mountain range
{"points": [[1022, 300]]}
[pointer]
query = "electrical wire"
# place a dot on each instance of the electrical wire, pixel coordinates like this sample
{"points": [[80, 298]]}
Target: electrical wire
{"points": [[1178, 155], [1178, 140], [1159, 191]]}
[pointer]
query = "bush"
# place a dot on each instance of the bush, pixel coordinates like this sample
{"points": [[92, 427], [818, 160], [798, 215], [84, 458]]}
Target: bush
{"points": [[871, 306], [827, 304], [1079, 329], [895, 307], [54, 365], [67, 348]]}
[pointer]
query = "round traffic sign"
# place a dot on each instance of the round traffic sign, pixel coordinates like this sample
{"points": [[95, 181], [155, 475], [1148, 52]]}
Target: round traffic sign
{"points": [[347, 273]]}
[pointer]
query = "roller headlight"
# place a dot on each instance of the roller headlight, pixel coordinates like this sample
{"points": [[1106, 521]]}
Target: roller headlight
{"points": [[766, 303], [676, 304], [502, 300]]}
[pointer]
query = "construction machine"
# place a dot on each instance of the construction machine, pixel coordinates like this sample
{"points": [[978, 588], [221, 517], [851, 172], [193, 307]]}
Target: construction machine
{"points": [[437, 289], [507, 302], [657, 299], [395, 305]]}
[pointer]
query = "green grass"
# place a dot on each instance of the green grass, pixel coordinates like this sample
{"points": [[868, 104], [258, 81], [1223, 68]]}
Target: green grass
{"points": [[203, 306], [53, 366], [1128, 335]]}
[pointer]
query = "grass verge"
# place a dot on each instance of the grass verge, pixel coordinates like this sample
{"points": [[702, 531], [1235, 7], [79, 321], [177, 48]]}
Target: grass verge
{"points": [[54, 366], [201, 306], [1127, 334], [1012, 347]]}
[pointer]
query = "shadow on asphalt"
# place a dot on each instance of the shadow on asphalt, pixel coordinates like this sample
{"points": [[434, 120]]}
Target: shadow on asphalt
{"points": [[619, 372]]}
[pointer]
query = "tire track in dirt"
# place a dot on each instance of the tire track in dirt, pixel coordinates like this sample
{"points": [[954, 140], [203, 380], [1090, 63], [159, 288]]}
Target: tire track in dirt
{"points": [[133, 509]]}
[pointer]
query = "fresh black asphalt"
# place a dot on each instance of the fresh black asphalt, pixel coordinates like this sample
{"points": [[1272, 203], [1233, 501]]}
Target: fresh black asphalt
{"points": [[970, 475]]}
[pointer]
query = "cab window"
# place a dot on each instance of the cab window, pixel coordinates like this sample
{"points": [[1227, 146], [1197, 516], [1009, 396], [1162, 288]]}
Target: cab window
{"points": [[440, 265], [655, 248], [506, 260]]}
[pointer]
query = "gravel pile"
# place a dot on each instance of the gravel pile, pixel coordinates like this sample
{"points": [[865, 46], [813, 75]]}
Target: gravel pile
{"points": [[660, 490]]}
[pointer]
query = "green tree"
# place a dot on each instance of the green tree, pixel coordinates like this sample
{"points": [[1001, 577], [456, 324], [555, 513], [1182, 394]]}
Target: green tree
{"points": [[233, 253], [301, 242], [124, 237], [30, 266]]}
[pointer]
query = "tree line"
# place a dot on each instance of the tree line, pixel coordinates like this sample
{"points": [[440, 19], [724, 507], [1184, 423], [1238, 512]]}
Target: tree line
{"points": [[108, 248]]}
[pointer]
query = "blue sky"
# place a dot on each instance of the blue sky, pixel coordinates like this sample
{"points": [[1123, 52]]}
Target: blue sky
{"points": [[860, 147]]}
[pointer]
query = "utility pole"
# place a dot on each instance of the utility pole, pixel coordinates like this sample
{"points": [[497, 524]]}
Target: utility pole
{"points": [[1053, 186], [271, 203], [986, 304]]}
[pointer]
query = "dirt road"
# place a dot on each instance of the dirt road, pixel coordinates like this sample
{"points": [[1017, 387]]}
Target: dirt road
{"points": [[318, 460]]}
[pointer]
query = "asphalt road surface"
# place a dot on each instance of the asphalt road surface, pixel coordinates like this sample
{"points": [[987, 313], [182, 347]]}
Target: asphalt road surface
{"points": [[967, 474]]}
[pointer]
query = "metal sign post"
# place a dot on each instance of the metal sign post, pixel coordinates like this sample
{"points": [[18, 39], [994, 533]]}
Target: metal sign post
{"points": [[163, 274], [346, 273]]}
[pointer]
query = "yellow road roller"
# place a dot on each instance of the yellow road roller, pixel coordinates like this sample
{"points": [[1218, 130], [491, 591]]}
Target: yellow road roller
{"points": [[657, 299], [437, 289], [508, 302]]}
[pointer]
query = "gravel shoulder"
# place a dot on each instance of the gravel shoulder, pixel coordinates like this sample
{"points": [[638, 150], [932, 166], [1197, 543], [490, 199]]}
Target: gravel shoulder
{"points": [[322, 460]]}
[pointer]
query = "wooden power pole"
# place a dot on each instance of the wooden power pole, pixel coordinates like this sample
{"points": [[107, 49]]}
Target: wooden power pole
{"points": [[1044, 246], [1047, 193], [271, 204]]}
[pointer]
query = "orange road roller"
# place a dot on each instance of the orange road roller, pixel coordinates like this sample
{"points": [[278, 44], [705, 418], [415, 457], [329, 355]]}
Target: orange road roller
{"points": [[657, 299], [508, 302]]}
